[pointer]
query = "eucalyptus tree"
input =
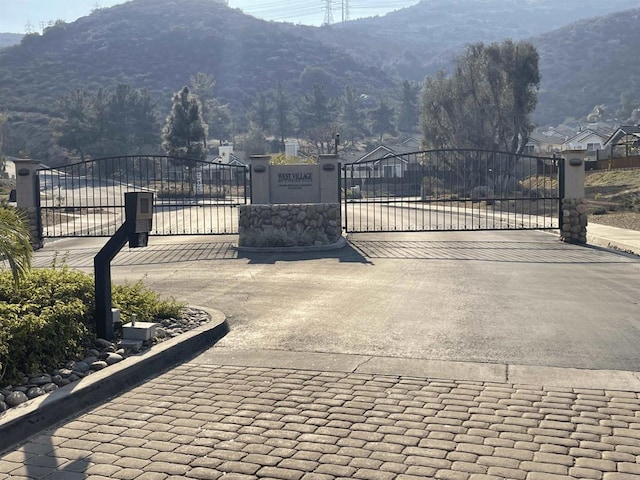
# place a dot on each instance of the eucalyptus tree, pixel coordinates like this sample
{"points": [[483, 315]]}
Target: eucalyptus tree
{"points": [[485, 104]]}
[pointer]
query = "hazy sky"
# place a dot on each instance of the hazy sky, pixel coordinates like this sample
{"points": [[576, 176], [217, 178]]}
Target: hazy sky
{"points": [[15, 15]]}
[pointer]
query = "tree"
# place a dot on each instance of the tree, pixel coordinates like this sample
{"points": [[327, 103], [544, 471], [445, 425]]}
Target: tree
{"points": [[487, 102], [382, 119], [74, 132], [282, 113], [122, 122], [484, 105], [216, 115], [262, 112], [408, 114], [351, 117], [316, 120], [185, 132], [15, 242]]}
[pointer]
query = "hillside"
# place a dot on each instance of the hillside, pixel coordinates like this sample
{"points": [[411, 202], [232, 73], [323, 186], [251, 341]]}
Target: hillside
{"points": [[588, 63], [158, 45], [9, 39], [417, 40]]}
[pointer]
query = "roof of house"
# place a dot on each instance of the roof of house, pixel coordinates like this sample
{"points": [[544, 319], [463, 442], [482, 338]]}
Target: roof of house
{"points": [[622, 132], [584, 134]]}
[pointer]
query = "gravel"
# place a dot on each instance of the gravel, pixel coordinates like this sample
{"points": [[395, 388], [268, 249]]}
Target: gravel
{"points": [[626, 220]]}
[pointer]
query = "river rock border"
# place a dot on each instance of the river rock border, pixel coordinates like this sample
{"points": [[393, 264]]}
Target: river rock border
{"points": [[574, 221], [289, 225]]}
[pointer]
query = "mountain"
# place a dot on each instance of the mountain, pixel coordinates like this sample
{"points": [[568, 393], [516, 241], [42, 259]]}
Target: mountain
{"points": [[9, 39], [589, 63], [159, 44], [414, 41]]}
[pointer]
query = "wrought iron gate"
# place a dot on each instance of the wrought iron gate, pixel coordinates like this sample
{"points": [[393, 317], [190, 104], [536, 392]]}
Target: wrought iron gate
{"points": [[190, 196], [452, 190]]}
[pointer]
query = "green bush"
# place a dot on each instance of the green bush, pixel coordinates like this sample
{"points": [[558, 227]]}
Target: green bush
{"points": [[48, 320], [145, 303]]}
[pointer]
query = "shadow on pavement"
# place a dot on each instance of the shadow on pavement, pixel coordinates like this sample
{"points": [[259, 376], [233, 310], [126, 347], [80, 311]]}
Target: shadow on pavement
{"points": [[347, 254], [490, 251]]}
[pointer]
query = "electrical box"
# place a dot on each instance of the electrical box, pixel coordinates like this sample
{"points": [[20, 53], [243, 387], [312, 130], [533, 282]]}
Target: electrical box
{"points": [[138, 211]]}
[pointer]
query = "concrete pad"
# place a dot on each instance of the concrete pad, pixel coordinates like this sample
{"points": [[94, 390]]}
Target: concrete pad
{"points": [[575, 378], [415, 367], [320, 362]]}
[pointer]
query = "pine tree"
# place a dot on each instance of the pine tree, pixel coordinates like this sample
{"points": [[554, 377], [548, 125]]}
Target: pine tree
{"points": [[185, 132]]}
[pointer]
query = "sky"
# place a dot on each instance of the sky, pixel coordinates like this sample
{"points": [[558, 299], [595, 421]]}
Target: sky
{"points": [[18, 16]]}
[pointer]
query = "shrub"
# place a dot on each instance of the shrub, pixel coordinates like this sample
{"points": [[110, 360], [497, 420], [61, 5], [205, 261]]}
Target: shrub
{"points": [[135, 298], [48, 320]]}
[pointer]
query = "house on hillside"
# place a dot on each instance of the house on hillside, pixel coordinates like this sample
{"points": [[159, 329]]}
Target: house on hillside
{"points": [[545, 141], [625, 140], [385, 162], [589, 139]]}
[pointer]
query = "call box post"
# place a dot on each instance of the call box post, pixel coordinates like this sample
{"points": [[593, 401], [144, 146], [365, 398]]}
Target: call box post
{"points": [[138, 222]]}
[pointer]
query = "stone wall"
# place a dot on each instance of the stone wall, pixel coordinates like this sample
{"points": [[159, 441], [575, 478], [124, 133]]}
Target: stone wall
{"points": [[289, 225], [574, 221]]}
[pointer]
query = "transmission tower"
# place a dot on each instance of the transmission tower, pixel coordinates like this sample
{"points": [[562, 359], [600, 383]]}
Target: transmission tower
{"points": [[345, 11], [328, 11]]}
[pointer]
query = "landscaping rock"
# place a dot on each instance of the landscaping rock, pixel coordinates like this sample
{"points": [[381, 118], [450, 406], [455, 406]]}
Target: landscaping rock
{"points": [[16, 398], [113, 358], [35, 392], [40, 379], [102, 343], [99, 365], [39, 383], [80, 367]]}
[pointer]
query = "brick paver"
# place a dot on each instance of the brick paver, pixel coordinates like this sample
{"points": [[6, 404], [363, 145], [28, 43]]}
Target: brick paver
{"points": [[211, 422]]}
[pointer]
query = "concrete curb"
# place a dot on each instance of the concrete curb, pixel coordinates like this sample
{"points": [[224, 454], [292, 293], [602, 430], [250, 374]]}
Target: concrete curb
{"points": [[19, 423], [612, 244], [547, 376]]}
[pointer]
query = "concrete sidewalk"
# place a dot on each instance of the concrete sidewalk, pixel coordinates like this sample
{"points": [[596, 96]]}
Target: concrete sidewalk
{"points": [[613, 237]]}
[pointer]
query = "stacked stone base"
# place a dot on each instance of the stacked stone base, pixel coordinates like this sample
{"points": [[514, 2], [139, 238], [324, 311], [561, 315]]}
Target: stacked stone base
{"points": [[574, 222], [289, 225]]}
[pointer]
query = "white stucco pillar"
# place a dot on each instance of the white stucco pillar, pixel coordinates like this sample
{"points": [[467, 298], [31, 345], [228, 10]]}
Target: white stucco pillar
{"points": [[260, 190], [28, 196], [329, 178]]}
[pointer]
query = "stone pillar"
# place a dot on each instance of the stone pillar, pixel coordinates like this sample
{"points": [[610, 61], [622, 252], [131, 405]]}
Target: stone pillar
{"points": [[329, 178], [28, 198], [574, 216], [260, 188]]}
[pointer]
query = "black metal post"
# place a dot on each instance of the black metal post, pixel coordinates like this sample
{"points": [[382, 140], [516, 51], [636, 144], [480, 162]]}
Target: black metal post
{"points": [[102, 268]]}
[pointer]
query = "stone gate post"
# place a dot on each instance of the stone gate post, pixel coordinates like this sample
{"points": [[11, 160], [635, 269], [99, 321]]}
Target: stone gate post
{"points": [[28, 198], [574, 216]]}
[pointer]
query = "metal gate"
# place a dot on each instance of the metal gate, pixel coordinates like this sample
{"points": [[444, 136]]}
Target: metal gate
{"points": [[191, 197], [452, 190]]}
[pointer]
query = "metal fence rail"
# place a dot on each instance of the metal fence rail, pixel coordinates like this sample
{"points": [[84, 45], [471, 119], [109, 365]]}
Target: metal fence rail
{"points": [[191, 196], [452, 190]]}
